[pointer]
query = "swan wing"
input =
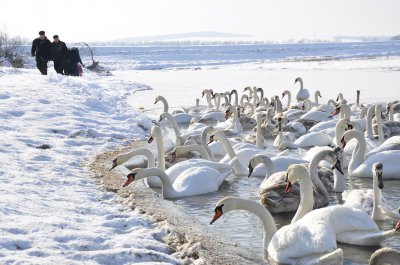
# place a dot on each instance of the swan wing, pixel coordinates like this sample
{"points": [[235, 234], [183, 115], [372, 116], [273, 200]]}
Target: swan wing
{"points": [[302, 243], [390, 161], [196, 181]]}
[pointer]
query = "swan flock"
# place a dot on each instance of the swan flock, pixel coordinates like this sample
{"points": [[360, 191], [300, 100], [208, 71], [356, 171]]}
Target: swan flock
{"points": [[300, 154]]}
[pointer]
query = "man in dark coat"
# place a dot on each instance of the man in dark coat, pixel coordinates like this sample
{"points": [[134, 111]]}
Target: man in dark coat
{"points": [[59, 52], [41, 49]]}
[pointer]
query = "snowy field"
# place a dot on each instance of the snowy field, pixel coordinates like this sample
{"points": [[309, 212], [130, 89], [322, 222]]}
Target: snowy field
{"points": [[53, 211]]}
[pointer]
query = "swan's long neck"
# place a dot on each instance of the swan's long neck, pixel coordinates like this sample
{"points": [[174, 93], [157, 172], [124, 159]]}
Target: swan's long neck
{"points": [[301, 83], [195, 148], [167, 189], [268, 164], [235, 122], [265, 216], [339, 130], [204, 134], [179, 140], [309, 104], [306, 197], [358, 156], [339, 185], [289, 95], [358, 98], [217, 101], [385, 256], [165, 102], [391, 117], [261, 94], [160, 150], [139, 151], [227, 100], [278, 105], [370, 113], [316, 97], [243, 98], [236, 98], [228, 148], [378, 112], [316, 181], [377, 213], [345, 112], [259, 138], [255, 96]]}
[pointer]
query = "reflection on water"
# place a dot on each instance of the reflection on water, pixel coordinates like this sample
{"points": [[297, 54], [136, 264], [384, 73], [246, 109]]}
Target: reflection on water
{"points": [[244, 228]]}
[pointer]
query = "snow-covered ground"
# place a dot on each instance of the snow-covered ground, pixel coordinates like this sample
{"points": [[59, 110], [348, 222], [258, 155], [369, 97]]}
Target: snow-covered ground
{"points": [[51, 209]]}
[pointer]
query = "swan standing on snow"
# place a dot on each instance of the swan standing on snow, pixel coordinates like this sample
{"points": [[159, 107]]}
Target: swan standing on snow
{"points": [[361, 167], [303, 93], [351, 225], [316, 240]]}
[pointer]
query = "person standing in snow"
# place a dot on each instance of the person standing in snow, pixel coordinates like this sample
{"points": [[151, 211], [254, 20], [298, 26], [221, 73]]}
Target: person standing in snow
{"points": [[59, 53], [41, 50], [73, 65]]}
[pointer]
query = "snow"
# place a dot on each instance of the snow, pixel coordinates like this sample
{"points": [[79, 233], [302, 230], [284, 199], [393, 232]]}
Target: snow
{"points": [[51, 209]]}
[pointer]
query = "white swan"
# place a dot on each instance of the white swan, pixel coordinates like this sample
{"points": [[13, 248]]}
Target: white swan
{"points": [[283, 137], [361, 167], [351, 225], [385, 256], [303, 93], [308, 140], [371, 199], [123, 158], [257, 139], [298, 243], [316, 115], [180, 138], [174, 171], [244, 155], [179, 117], [182, 151], [195, 180], [233, 125], [272, 189], [208, 93]]}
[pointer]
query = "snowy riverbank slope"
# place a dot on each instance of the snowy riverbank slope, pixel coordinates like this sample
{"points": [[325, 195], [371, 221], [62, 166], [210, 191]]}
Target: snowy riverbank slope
{"points": [[51, 210]]}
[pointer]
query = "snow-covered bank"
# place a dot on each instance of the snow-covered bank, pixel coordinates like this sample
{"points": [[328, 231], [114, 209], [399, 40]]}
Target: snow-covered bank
{"points": [[51, 209]]}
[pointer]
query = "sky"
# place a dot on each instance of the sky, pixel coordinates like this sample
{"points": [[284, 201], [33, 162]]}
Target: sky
{"points": [[101, 20]]}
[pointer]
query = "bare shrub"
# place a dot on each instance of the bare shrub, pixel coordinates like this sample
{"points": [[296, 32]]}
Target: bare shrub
{"points": [[10, 50], [95, 66]]}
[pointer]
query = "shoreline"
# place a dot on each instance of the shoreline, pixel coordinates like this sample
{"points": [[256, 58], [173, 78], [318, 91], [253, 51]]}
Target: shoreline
{"points": [[191, 241]]}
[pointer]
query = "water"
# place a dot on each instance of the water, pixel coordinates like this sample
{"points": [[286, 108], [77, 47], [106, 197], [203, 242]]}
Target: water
{"points": [[245, 229]]}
